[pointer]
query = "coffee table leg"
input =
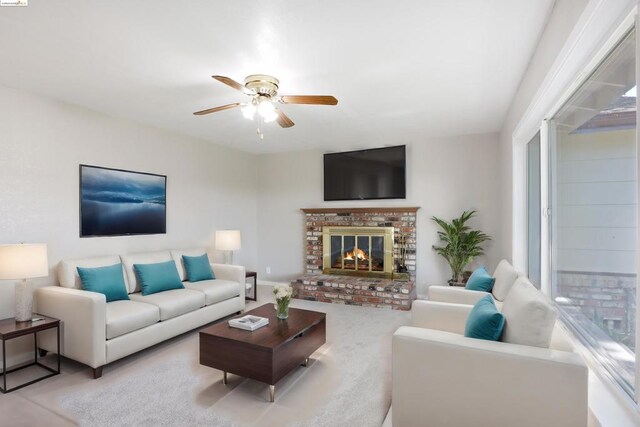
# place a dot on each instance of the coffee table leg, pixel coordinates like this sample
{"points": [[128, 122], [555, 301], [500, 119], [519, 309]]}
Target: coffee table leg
{"points": [[272, 393], [306, 362], [224, 377]]}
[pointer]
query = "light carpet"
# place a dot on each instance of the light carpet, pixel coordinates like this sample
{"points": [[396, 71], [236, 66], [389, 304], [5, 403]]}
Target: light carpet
{"points": [[347, 383]]}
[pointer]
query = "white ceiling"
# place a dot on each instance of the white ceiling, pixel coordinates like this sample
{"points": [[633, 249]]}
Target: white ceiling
{"points": [[402, 71]]}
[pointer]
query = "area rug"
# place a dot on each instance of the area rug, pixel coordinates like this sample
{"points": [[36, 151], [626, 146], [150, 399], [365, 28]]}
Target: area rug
{"points": [[347, 383]]}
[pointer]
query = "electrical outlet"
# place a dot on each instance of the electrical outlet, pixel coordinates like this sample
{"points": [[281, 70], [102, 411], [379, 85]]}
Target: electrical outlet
{"points": [[268, 270]]}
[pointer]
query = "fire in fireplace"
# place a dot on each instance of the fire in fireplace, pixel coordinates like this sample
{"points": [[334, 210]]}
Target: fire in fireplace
{"points": [[365, 251], [368, 255]]}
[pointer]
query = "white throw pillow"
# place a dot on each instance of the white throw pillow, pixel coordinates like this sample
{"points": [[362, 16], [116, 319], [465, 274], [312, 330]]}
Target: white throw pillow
{"points": [[530, 316], [505, 276]]}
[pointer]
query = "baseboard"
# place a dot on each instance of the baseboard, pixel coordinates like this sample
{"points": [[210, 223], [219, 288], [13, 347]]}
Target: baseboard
{"points": [[270, 283]]}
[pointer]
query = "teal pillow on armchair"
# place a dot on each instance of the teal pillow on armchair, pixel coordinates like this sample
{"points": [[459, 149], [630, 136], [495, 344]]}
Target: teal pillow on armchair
{"points": [[485, 321], [480, 280]]}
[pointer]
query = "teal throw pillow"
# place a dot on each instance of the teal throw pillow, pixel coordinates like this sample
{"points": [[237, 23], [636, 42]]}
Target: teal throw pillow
{"points": [[104, 280], [162, 276], [480, 280], [485, 321], [198, 268]]}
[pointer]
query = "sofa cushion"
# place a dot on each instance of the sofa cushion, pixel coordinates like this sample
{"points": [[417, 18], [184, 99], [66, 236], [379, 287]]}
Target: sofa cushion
{"points": [[530, 316], [198, 268], [107, 280], [484, 322], [215, 290], [480, 280], [128, 316], [173, 303], [141, 258], [177, 257], [158, 277], [68, 269], [505, 276]]}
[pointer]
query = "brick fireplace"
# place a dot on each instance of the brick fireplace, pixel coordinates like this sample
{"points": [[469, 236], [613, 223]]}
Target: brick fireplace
{"points": [[351, 256]]}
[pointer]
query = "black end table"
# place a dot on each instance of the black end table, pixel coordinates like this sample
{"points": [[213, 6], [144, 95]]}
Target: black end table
{"points": [[10, 329], [255, 285]]}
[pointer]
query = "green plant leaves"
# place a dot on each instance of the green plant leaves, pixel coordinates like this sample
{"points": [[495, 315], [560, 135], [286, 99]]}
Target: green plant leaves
{"points": [[461, 244]]}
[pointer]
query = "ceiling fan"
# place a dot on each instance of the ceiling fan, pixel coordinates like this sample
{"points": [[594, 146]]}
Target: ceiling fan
{"points": [[263, 90]]}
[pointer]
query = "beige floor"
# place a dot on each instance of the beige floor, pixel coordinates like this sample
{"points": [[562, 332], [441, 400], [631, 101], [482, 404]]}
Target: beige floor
{"points": [[35, 405], [301, 397]]}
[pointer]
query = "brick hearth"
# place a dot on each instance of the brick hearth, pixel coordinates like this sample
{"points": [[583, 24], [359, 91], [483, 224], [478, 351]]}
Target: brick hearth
{"points": [[364, 291], [350, 290]]}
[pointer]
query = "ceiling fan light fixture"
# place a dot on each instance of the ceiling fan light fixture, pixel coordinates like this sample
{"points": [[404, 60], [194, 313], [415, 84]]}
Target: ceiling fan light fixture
{"points": [[266, 109], [263, 89], [268, 118], [249, 111]]}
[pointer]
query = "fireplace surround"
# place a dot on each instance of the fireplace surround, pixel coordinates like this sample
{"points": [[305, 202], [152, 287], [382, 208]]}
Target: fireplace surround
{"points": [[370, 286]]}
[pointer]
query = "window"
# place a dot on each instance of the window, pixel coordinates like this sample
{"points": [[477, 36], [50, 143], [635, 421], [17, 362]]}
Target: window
{"points": [[593, 173], [534, 210]]}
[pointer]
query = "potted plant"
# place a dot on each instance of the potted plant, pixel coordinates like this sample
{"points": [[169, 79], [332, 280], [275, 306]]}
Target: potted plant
{"points": [[460, 243]]}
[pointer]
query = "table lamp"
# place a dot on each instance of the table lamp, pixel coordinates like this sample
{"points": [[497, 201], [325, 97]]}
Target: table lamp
{"points": [[22, 262], [229, 241]]}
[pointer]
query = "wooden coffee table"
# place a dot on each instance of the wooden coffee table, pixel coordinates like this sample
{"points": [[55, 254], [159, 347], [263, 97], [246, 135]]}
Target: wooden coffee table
{"points": [[266, 354]]}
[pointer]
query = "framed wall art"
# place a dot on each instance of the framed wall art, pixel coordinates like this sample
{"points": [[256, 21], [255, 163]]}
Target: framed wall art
{"points": [[116, 202]]}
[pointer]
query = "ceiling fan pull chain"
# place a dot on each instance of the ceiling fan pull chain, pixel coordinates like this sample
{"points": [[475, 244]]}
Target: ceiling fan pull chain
{"points": [[260, 126]]}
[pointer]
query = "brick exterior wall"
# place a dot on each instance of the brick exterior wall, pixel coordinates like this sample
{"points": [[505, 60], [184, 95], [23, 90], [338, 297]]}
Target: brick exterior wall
{"points": [[607, 299], [363, 291]]}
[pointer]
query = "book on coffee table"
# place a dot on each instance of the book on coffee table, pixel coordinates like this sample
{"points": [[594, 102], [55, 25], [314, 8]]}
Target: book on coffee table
{"points": [[249, 322]]}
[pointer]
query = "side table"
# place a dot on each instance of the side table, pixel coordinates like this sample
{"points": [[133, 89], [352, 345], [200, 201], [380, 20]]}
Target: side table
{"points": [[10, 329], [253, 294]]}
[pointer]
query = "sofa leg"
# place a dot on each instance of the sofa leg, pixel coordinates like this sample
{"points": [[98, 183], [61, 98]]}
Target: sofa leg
{"points": [[42, 352], [97, 372]]}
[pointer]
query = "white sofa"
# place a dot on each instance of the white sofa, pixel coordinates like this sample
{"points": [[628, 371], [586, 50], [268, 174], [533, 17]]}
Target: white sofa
{"points": [[442, 378], [97, 333]]}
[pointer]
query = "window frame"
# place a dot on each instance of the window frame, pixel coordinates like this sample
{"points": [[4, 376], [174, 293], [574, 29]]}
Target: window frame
{"points": [[594, 43]]}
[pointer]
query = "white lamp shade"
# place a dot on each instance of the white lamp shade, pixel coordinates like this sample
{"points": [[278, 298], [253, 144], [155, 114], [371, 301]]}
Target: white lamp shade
{"points": [[23, 261], [228, 240]]}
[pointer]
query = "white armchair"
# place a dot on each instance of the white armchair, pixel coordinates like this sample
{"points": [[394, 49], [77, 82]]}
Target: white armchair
{"points": [[504, 274], [442, 378]]}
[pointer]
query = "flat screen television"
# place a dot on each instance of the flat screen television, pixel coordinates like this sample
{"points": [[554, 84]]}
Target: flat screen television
{"points": [[366, 174]]}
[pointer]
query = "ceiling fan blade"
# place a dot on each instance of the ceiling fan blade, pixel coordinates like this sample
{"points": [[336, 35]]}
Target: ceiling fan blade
{"points": [[309, 99], [215, 109], [283, 120], [230, 82]]}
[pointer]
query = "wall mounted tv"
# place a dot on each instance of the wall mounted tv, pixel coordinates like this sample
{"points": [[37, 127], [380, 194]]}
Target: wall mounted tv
{"points": [[366, 174]]}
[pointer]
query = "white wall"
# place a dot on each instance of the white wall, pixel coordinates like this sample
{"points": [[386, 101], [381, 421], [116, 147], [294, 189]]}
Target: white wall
{"points": [[564, 15], [41, 144], [444, 177]]}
